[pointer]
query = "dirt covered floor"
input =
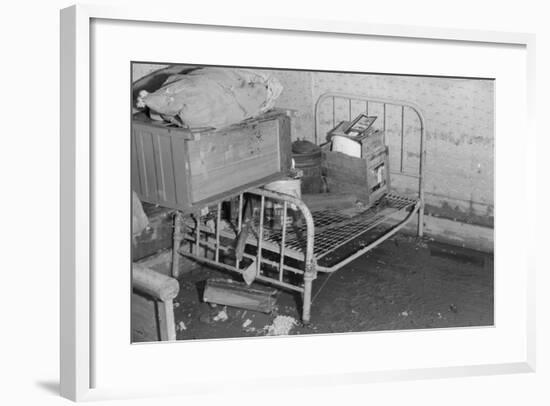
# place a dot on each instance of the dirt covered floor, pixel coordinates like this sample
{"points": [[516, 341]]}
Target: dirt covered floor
{"points": [[405, 283]]}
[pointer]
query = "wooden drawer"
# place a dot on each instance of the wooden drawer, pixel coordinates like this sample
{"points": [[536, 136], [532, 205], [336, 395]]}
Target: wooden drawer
{"points": [[182, 169]]}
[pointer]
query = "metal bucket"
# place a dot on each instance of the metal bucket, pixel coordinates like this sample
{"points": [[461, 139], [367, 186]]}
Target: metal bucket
{"points": [[274, 209], [310, 165]]}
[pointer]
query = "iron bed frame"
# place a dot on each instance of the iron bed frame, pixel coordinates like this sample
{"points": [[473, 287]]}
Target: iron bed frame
{"points": [[291, 257]]}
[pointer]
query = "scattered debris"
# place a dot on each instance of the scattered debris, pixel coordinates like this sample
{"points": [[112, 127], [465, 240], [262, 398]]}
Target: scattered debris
{"points": [[453, 308], [205, 318], [421, 243], [181, 326], [281, 326], [439, 316], [247, 323], [221, 316]]}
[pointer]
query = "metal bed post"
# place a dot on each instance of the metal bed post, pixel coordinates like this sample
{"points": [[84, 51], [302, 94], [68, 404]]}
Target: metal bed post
{"points": [[218, 217], [421, 173], [283, 238], [239, 226], [309, 276], [177, 238], [310, 269], [260, 236]]}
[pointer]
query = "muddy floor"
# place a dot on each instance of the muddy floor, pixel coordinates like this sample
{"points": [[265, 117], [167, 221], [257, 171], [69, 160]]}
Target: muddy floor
{"points": [[405, 283]]}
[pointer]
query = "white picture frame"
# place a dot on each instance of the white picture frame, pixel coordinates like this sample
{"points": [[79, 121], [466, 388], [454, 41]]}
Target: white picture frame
{"points": [[77, 356]]}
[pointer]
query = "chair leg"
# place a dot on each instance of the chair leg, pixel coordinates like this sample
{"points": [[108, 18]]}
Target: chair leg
{"points": [[167, 322]]}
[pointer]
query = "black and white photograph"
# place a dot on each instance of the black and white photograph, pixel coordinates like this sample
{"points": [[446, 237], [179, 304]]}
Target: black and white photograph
{"points": [[272, 202], [292, 202]]}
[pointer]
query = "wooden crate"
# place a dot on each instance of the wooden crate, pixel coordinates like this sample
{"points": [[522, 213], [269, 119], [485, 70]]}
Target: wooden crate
{"points": [[367, 178], [372, 141], [183, 169]]}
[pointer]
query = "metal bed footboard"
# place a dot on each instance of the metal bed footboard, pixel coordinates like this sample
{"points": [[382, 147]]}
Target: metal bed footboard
{"points": [[222, 246], [215, 244]]}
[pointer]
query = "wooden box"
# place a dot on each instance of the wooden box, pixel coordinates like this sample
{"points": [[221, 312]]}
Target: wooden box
{"points": [[183, 169], [367, 178]]}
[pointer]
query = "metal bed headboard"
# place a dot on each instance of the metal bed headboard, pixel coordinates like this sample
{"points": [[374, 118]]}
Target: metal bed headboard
{"points": [[404, 106]]}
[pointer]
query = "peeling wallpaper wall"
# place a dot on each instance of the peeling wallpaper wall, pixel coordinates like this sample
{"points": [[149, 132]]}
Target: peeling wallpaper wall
{"points": [[459, 116]]}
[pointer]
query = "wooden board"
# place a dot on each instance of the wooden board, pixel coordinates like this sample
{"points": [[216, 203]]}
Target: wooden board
{"points": [[231, 293]]}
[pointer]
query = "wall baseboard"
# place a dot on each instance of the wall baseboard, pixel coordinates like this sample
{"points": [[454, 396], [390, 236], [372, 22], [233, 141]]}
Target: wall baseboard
{"points": [[455, 233]]}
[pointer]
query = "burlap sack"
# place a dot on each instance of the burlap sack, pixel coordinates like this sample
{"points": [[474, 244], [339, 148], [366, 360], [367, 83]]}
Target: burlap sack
{"points": [[214, 97]]}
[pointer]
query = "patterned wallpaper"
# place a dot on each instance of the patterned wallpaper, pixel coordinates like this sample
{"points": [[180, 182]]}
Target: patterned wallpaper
{"points": [[459, 116]]}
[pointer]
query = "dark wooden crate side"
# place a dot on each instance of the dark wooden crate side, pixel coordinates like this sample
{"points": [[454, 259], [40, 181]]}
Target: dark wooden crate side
{"points": [[345, 174], [159, 162]]}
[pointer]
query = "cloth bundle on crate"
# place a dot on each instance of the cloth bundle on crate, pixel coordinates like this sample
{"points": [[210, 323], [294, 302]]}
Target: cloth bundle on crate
{"points": [[212, 97]]}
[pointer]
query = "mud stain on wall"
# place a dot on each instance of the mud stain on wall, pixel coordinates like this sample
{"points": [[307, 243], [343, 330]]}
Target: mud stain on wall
{"points": [[457, 213]]}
